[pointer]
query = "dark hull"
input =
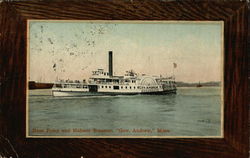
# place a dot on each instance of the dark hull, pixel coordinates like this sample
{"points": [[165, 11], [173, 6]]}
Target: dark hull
{"points": [[35, 85], [173, 91]]}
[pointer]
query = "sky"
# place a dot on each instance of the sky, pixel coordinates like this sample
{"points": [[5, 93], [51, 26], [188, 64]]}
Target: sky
{"points": [[73, 49]]}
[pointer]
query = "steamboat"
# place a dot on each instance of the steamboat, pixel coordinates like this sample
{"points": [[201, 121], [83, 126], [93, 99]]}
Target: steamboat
{"points": [[105, 83]]}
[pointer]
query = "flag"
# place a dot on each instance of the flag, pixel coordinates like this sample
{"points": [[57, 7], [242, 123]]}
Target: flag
{"points": [[54, 67], [175, 65]]}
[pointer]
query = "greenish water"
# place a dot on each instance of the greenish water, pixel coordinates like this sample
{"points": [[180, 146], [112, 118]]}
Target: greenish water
{"points": [[191, 112]]}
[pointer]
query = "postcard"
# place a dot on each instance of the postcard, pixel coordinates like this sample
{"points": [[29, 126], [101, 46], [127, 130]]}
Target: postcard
{"points": [[124, 79]]}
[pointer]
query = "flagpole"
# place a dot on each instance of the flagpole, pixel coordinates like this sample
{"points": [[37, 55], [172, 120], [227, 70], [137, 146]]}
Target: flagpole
{"points": [[173, 71], [174, 66]]}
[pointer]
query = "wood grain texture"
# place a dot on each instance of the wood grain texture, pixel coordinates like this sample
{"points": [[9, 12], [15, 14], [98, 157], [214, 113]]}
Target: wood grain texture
{"points": [[13, 16]]}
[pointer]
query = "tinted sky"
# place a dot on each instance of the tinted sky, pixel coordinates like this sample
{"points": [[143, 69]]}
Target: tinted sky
{"points": [[72, 50]]}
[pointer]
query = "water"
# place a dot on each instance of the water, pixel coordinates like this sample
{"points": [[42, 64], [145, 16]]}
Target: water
{"points": [[190, 112]]}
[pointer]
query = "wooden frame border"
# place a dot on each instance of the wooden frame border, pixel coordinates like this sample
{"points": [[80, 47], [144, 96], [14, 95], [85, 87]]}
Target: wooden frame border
{"points": [[13, 22]]}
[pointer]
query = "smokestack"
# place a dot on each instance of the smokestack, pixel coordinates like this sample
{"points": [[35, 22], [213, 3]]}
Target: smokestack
{"points": [[110, 63]]}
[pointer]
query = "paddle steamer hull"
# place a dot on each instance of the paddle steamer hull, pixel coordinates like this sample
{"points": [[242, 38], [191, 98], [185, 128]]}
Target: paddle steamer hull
{"points": [[63, 93]]}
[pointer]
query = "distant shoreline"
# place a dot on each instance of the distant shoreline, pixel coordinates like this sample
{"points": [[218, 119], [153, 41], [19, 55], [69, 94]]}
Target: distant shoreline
{"points": [[202, 84], [199, 87]]}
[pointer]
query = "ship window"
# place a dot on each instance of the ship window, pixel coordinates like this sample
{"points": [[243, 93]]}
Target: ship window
{"points": [[130, 87], [106, 86], [126, 87], [134, 87], [121, 87], [109, 86], [116, 87], [138, 87]]}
